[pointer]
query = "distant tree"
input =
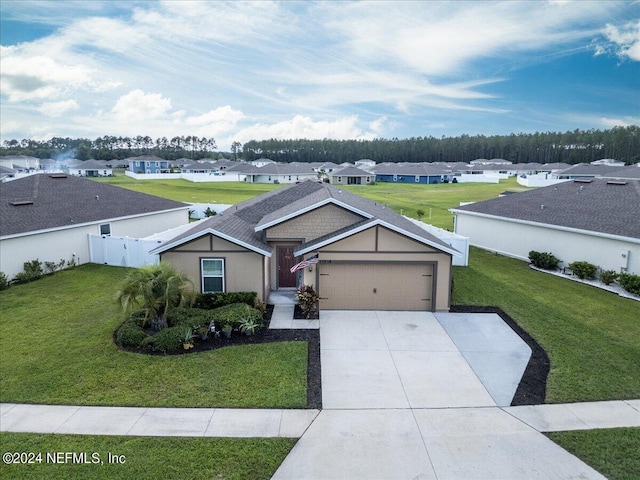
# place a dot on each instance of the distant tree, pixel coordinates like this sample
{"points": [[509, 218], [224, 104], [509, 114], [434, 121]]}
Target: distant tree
{"points": [[235, 148]]}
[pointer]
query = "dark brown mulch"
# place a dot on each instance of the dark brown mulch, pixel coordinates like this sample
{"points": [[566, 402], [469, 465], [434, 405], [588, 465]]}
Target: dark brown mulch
{"points": [[264, 335], [533, 385], [298, 314]]}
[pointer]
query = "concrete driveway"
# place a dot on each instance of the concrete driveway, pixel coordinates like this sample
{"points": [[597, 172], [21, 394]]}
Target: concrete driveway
{"points": [[410, 395]]}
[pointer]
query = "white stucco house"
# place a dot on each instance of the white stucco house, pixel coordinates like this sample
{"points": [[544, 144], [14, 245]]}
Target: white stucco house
{"points": [[594, 220], [50, 216]]}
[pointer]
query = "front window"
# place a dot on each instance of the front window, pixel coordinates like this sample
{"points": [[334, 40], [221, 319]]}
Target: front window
{"points": [[212, 275]]}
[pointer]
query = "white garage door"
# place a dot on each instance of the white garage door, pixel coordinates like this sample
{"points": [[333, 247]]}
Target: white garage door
{"points": [[376, 286]]}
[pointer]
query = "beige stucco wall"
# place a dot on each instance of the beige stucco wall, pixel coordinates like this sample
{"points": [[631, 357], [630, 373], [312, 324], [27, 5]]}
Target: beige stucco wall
{"points": [[314, 224], [58, 244], [518, 239], [243, 268]]}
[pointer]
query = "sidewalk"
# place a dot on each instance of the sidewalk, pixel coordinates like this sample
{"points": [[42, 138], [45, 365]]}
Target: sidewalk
{"points": [[155, 422]]}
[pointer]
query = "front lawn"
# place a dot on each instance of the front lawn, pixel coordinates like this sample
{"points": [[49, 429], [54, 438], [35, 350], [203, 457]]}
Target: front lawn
{"points": [[56, 347], [613, 452], [592, 336], [148, 457]]}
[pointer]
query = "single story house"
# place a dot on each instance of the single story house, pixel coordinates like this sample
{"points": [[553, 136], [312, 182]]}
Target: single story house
{"points": [[593, 220], [423, 173], [278, 173], [364, 255], [149, 164], [91, 168], [49, 217], [351, 176]]}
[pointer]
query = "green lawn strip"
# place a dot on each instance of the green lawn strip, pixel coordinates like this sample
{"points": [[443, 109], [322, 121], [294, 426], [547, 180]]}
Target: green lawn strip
{"points": [[56, 347], [147, 457], [613, 452], [434, 200], [191, 192], [591, 336]]}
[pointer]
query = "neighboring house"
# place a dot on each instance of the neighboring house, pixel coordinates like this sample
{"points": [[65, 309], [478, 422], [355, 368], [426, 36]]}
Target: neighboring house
{"points": [[593, 220], [49, 217], [49, 165], [278, 173], [261, 162], [20, 162], [91, 168], [493, 161], [149, 164], [7, 173], [425, 173], [610, 162], [585, 170], [351, 176], [200, 167], [365, 163], [369, 257]]}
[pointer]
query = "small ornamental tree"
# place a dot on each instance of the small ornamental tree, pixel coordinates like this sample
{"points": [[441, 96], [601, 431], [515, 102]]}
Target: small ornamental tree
{"points": [[307, 299], [156, 290]]}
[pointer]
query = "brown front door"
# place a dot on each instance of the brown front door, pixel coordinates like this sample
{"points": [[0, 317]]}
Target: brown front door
{"points": [[286, 260]]}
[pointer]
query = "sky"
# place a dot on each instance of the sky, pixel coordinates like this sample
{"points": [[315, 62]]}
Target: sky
{"points": [[240, 71]]}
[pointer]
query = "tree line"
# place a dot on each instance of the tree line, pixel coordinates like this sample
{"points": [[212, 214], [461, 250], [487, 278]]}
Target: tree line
{"points": [[578, 146]]}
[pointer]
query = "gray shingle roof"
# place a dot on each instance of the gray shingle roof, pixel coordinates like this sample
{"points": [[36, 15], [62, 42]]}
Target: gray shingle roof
{"points": [[241, 221], [598, 206], [67, 200], [350, 172]]}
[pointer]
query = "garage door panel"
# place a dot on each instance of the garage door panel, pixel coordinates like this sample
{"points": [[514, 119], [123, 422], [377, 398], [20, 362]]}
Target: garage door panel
{"points": [[375, 286]]}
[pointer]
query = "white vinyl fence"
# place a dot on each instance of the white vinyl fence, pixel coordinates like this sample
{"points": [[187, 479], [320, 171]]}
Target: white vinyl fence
{"points": [[122, 251], [458, 242]]}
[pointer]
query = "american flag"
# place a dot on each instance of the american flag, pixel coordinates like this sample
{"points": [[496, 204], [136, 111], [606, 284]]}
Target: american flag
{"points": [[304, 263]]}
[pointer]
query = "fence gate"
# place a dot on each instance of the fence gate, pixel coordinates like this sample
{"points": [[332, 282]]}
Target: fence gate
{"points": [[122, 251]]}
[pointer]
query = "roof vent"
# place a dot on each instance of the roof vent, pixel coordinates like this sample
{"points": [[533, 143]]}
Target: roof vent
{"points": [[542, 207], [583, 180], [58, 175], [17, 203], [616, 182]]}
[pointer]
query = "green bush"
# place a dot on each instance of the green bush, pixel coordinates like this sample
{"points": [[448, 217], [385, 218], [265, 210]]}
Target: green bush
{"points": [[211, 301], [130, 334], [234, 315], [193, 318], [630, 282], [584, 270], [32, 271], [167, 339], [608, 276], [544, 260], [4, 281]]}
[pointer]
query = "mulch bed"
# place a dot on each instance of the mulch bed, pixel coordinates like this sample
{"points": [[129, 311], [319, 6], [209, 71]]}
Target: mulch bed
{"points": [[533, 385]]}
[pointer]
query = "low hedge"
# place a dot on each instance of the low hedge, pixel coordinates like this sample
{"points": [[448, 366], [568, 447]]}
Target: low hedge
{"points": [[190, 317], [608, 276], [166, 339], [210, 301], [630, 282], [544, 260], [584, 270], [130, 334]]}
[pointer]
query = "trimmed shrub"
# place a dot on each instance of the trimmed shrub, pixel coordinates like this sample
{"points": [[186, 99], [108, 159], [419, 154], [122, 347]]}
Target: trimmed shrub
{"points": [[608, 276], [4, 281], [544, 260], [584, 270], [220, 299], [32, 271], [234, 315], [130, 334], [193, 318], [630, 282], [167, 339]]}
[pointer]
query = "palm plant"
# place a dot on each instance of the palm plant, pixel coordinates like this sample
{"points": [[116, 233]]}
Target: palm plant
{"points": [[156, 289]]}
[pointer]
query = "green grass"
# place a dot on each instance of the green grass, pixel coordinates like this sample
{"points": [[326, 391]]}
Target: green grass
{"points": [[56, 347], [613, 452], [591, 336], [149, 458], [434, 200], [185, 191]]}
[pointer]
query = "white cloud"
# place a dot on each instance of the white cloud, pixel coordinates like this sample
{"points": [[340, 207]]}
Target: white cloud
{"points": [[304, 127], [56, 109], [625, 40], [224, 114], [138, 106], [607, 122]]}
